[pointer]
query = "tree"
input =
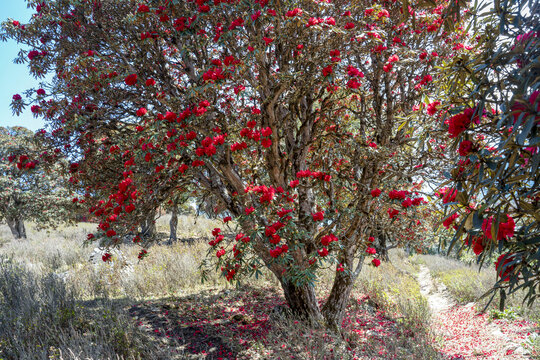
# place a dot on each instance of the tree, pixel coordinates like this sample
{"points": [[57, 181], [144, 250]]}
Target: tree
{"points": [[27, 190], [291, 114], [493, 120]]}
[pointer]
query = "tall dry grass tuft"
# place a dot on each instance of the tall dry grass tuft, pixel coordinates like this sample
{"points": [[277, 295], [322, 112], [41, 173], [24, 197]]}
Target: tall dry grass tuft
{"points": [[40, 318]]}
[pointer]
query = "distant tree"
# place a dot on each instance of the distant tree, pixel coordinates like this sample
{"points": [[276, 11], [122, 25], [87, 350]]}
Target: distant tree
{"points": [[303, 119], [29, 191]]}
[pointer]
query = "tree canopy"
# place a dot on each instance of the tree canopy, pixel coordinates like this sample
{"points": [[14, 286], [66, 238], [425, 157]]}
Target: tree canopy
{"points": [[28, 190], [313, 125]]}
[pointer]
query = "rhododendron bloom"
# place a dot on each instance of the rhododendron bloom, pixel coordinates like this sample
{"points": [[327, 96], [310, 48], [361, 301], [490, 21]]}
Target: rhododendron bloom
{"points": [[141, 112], [371, 251], [327, 239], [249, 210], [131, 79], [457, 124], [406, 203], [40, 92], [392, 213], [376, 192], [318, 216], [143, 8], [502, 267], [376, 262], [397, 195], [506, 229], [220, 252], [449, 196], [432, 108], [327, 70], [450, 220], [371, 239], [106, 257], [323, 252], [465, 148]]}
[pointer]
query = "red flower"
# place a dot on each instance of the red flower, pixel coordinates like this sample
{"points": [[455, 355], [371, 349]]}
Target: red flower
{"points": [[371, 251], [40, 92], [406, 203], [323, 252], [450, 220], [150, 82], [449, 196], [32, 54], [387, 67], [376, 192], [397, 195], [131, 79], [141, 112], [503, 270], [249, 210], [376, 262], [106, 257], [465, 148], [268, 40], [457, 124], [506, 229], [266, 143], [226, 219], [327, 239], [318, 216], [111, 233], [142, 254], [432, 108], [220, 252], [371, 239], [143, 8], [17, 97], [392, 213], [327, 70]]}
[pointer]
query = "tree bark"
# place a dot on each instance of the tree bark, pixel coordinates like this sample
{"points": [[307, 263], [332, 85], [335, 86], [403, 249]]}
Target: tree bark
{"points": [[303, 302], [17, 228], [173, 223], [148, 226], [334, 308]]}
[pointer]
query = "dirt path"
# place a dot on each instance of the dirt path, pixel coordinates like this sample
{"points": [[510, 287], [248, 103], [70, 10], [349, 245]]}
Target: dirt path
{"points": [[466, 334]]}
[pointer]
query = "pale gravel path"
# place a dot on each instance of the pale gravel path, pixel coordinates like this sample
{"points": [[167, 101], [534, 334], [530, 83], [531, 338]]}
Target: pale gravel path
{"points": [[466, 334]]}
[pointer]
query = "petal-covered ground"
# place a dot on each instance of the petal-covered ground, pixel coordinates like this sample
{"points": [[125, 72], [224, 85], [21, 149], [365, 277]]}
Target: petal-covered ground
{"points": [[243, 324], [240, 325], [467, 334]]}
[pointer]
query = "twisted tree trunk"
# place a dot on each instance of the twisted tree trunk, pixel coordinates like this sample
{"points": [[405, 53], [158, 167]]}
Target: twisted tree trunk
{"points": [[303, 302], [148, 226], [16, 225]]}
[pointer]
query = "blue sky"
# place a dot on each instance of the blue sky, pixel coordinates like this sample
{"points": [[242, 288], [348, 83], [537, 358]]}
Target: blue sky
{"points": [[14, 79]]}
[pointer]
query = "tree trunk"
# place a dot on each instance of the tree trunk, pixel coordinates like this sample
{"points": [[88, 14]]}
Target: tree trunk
{"points": [[303, 302], [173, 223], [148, 226], [17, 228], [334, 308]]}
